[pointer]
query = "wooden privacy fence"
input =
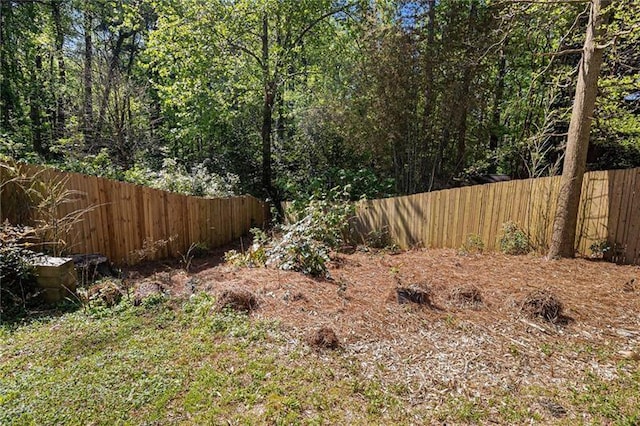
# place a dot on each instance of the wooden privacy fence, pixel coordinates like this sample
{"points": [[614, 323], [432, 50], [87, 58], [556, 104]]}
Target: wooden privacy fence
{"points": [[128, 222], [609, 211]]}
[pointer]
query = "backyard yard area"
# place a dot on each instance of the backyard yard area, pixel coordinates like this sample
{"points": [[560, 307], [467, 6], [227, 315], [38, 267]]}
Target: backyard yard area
{"points": [[482, 338]]}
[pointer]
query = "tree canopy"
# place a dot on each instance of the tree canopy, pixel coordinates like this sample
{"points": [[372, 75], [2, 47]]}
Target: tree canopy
{"points": [[284, 98]]}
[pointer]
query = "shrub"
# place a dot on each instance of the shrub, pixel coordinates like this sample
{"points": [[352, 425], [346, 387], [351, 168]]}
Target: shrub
{"points": [[514, 240], [326, 217], [321, 224], [17, 282], [256, 256], [175, 177], [298, 250], [472, 245]]}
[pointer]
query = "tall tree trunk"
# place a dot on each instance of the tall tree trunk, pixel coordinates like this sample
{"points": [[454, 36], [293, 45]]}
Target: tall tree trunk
{"points": [[6, 97], [464, 98], [494, 137], [564, 226], [60, 124], [429, 102], [115, 59], [463, 110], [267, 108], [87, 119], [35, 113]]}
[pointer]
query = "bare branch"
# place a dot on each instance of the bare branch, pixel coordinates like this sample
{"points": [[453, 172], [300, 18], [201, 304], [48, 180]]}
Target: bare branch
{"points": [[541, 73], [247, 51], [316, 22], [562, 52]]}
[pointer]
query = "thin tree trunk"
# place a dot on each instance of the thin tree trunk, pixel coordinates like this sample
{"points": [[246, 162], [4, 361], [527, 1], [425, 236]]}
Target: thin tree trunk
{"points": [[463, 96], [267, 108], [463, 108], [115, 59], [60, 124], [6, 97], [35, 111], [497, 103], [564, 226], [87, 126], [429, 103]]}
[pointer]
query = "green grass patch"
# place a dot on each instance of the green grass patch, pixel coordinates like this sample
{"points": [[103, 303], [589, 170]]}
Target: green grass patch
{"points": [[183, 362], [172, 362], [615, 401]]}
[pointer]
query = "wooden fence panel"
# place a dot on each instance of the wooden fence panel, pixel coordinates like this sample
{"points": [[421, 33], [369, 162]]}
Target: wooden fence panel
{"points": [[122, 220], [129, 223], [626, 197], [608, 212], [633, 214]]}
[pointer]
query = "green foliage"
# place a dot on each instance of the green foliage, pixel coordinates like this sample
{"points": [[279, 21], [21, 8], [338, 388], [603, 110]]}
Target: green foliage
{"points": [[320, 225], [171, 176], [600, 248], [327, 214], [379, 239], [100, 164], [17, 282], [514, 240], [472, 245], [298, 250], [174, 177]]}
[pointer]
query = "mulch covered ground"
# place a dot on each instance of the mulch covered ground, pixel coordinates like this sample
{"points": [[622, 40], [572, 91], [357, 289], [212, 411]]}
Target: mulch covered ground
{"points": [[485, 321]]}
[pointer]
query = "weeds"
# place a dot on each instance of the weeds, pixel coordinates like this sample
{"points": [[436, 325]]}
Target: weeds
{"points": [[150, 248], [514, 241], [197, 249], [472, 245], [599, 249]]}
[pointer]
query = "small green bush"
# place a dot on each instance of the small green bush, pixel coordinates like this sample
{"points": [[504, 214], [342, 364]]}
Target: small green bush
{"points": [[255, 256], [17, 281], [299, 250], [472, 245], [379, 239], [599, 249], [321, 224], [514, 240]]}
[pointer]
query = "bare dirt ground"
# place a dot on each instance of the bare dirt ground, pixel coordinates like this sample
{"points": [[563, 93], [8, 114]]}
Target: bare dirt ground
{"points": [[450, 346]]}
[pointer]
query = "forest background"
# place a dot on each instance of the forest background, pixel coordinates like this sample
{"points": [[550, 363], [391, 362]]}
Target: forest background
{"points": [[286, 98]]}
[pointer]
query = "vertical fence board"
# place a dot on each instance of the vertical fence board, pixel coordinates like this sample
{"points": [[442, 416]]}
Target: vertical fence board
{"points": [[631, 254], [616, 182], [625, 203]]}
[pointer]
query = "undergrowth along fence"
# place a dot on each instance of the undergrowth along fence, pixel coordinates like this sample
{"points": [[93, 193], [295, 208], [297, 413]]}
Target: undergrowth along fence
{"points": [[126, 222], [609, 214]]}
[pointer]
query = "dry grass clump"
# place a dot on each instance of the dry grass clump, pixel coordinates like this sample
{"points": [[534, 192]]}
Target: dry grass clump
{"points": [[467, 295], [107, 292], [324, 337], [543, 304], [237, 300], [412, 295], [299, 296]]}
